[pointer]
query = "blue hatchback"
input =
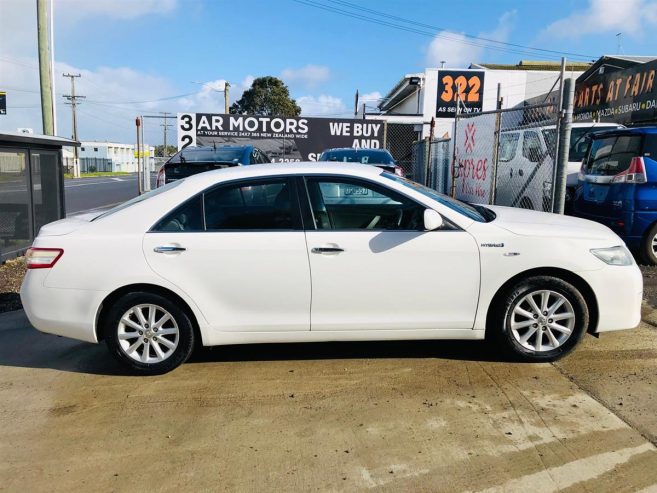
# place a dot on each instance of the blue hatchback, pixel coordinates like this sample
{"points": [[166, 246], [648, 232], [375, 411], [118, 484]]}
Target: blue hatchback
{"points": [[617, 186]]}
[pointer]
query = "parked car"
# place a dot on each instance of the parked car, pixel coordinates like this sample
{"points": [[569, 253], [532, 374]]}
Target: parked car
{"points": [[381, 158], [526, 164], [232, 256], [192, 160], [618, 187]]}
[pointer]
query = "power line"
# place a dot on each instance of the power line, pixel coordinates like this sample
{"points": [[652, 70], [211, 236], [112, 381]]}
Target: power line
{"points": [[73, 100], [429, 26], [431, 34]]}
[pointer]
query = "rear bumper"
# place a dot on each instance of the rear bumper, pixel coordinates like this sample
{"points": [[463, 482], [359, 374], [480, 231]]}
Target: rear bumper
{"points": [[64, 312], [619, 293]]}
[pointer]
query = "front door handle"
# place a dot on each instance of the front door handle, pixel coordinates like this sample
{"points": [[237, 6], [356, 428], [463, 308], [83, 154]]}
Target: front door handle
{"points": [[168, 249], [327, 250]]}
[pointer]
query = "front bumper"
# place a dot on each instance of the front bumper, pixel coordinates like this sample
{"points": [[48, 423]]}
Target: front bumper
{"points": [[64, 312], [619, 293]]}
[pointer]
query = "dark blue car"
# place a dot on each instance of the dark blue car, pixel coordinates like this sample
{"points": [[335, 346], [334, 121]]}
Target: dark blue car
{"points": [[617, 186], [192, 160]]}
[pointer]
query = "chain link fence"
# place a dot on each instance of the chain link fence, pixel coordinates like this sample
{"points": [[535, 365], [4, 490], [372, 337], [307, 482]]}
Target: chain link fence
{"points": [[399, 139], [503, 157], [507, 157]]}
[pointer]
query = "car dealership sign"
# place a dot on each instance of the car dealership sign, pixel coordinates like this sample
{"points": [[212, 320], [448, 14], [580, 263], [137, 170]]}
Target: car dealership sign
{"points": [[283, 139], [624, 96]]}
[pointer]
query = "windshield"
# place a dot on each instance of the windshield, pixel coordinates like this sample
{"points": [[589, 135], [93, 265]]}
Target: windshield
{"points": [[363, 156], [474, 212], [579, 140], [139, 198], [612, 155], [208, 155]]}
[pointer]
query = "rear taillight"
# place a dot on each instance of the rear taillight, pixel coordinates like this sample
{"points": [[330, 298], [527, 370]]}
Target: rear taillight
{"points": [[42, 258], [161, 178], [636, 173]]}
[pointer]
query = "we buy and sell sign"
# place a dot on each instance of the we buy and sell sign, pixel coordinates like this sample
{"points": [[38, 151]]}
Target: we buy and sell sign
{"points": [[283, 139], [474, 159], [624, 96]]}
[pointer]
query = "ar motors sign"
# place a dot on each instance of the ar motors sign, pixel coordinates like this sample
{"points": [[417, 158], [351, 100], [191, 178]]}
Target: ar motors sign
{"points": [[283, 139], [624, 96], [459, 87]]}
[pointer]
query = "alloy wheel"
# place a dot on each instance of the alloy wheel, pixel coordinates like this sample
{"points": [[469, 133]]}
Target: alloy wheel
{"points": [[542, 320], [148, 333]]}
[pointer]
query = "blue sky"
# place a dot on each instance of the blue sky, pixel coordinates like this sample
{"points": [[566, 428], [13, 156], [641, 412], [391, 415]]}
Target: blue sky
{"points": [[148, 50]]}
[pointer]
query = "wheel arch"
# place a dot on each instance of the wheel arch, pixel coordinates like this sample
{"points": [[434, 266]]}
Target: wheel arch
{"points": [[563, 274], [148, 288]]}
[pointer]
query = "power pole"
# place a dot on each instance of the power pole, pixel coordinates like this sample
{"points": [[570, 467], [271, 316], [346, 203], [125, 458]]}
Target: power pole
{"points": [[227, 97], [73, 101], [165, 125], [45, 74]]}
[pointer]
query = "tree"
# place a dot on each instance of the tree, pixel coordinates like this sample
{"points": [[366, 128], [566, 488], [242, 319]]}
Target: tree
{"points": [[171, 150], [267, 96]]}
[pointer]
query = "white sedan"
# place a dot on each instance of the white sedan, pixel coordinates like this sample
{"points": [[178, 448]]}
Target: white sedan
{"points": [[305, 252]]}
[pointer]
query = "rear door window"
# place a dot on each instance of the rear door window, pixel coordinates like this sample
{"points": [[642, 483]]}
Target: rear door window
{"points": [[612, 155], [531, 147]]}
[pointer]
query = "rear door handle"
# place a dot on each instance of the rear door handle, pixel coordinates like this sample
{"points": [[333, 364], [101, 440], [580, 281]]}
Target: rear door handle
{"points": [[327, 250], [168, 249]]}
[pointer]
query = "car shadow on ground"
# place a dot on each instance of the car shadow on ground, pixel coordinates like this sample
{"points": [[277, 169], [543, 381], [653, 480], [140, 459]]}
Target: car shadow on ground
{"points": [[23, 346]]}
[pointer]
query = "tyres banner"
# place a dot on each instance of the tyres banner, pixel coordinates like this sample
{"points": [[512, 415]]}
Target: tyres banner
{"points": [[624, 96], [283, 139]]}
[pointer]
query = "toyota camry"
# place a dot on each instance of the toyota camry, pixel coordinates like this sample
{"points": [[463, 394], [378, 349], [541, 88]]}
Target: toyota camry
{"points": [[300, 253]]}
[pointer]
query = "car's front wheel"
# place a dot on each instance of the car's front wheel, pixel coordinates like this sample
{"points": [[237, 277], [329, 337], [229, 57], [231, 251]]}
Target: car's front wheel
{"points": [[540, 319], [148, 333]]}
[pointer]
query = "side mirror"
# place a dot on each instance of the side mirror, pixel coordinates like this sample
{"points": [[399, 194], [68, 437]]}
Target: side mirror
{"points": [[432, 220]]}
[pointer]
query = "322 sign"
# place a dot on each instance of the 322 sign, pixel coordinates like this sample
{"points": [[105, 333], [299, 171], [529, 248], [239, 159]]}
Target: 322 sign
{"points": [[464, 85]]}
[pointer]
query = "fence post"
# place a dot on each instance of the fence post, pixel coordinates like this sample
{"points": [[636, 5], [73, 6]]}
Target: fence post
{"points": [[455, 153], [427, 175], [385, 134], [564, 146], [496, 145]]}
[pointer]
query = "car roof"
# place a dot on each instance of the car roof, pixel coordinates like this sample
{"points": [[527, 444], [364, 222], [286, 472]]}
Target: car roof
{"points": [[274, 169], [355, 149], [626, 131]]}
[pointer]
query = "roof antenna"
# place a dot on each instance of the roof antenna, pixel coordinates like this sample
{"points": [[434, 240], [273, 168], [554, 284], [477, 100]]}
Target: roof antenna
{"points": [[619, 43]]}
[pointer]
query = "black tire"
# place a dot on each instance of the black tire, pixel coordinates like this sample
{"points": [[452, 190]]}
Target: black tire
{"points": [[176, 357], [500, 322], [646, 252]]}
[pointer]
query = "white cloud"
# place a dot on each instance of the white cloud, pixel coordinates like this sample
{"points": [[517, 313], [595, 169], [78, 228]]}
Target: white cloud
{"points": [[308, 76], [106, 113], [371, 98], [322, 105], [627, 16], [457, 50]]}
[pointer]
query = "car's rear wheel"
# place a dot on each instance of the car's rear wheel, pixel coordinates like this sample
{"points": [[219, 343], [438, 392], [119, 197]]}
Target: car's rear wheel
{"points": [[148, 333], [649, 246], [540, 319]]}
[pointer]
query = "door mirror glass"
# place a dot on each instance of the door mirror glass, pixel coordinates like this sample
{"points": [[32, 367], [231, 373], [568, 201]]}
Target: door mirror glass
{"points": [[432, 220]]}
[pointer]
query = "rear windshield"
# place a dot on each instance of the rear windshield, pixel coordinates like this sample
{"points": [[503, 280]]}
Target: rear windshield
{"points": [[363, 156], [612, 155], [208, 155], [139, 198]]}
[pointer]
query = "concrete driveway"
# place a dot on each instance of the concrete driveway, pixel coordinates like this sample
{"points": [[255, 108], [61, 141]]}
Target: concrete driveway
{"points": [[417, 416]]}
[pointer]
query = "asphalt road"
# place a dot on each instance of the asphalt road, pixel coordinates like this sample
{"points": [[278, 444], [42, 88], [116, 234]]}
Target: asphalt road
{"points": [[84, 194], [388, 416]]}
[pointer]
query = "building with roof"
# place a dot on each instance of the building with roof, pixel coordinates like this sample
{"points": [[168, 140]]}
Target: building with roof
{"points": [[109, 156], [418, 97]]}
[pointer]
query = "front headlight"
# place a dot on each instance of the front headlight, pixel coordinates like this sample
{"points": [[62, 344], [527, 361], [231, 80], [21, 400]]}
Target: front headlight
{"points": [[618, 255]]}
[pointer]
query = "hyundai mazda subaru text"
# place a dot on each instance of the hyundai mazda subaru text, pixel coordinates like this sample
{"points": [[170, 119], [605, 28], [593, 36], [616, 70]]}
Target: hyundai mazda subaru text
{"points": [[300, 252]]}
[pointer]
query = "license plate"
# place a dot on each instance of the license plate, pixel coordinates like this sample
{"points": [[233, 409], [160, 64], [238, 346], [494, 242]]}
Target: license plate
{"points": [[356, 191]]}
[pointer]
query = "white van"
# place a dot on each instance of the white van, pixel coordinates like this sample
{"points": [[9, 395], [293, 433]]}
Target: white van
{"points": [[525, 165]]}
